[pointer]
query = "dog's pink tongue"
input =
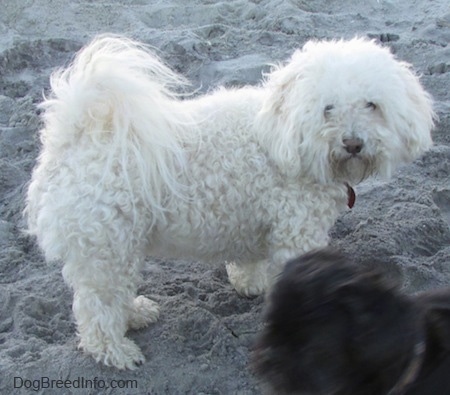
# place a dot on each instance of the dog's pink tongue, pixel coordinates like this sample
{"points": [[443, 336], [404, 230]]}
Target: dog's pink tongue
{"points": [[351, 196]]}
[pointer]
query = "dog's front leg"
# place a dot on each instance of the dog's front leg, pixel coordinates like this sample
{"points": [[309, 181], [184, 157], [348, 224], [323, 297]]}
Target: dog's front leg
{"points": [[285, 243], [248, 278], [290, 241]]}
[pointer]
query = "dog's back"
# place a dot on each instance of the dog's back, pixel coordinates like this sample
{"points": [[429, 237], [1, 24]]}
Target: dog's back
{"points": [[112, 120]]}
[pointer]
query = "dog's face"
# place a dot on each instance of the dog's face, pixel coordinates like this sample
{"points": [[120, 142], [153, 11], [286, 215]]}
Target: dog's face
{"points": [[343, 111], [352, 136], [333, 329]]}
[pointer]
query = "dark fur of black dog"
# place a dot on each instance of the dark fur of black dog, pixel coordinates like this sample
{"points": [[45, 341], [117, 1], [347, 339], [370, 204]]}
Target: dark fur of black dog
{"points": [[334, 328]]}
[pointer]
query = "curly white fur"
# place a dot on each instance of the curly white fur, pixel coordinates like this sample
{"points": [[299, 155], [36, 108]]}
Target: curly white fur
{"points": [[252, 176]]}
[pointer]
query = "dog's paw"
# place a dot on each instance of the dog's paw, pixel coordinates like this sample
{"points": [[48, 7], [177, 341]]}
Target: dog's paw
{"points": [[123, 355], [144, 311], [248, 280]]}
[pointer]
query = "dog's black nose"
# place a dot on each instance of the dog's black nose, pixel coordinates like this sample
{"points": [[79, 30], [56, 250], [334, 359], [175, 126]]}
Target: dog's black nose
{"points": [[353, 146]]}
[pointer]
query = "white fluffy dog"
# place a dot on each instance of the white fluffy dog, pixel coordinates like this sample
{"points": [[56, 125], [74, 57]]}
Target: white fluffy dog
{"points": [[252, 176]]}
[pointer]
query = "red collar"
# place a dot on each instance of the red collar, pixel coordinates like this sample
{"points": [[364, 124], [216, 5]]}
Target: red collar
{"points": [[351, 196]]}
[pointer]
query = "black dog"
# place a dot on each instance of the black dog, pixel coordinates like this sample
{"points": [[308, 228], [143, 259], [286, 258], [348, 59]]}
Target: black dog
{"points": [[337, 329]]}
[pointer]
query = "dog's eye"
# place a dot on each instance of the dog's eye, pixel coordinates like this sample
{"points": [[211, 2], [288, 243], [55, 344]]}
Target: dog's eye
{"points": [[328, 109], [371, 105]]}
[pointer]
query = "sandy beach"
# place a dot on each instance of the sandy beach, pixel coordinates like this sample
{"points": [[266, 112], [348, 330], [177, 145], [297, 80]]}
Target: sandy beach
{"points": [[202, 342]]}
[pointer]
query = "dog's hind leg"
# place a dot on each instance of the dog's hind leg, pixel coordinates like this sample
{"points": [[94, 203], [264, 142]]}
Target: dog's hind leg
{"points": [[102, 320], [102, 267], [249, 278], [105, 307]]}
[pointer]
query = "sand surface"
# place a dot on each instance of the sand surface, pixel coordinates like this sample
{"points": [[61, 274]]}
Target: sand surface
{"points": [[201, 343]]}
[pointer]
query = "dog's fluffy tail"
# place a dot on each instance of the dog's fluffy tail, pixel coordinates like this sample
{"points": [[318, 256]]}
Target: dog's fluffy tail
{"points": [[121, 97]]}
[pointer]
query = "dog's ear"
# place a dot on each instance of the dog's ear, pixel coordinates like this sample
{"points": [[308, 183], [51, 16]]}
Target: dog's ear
{"points": [[409, 113], [437, 317], [290, 118]]}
